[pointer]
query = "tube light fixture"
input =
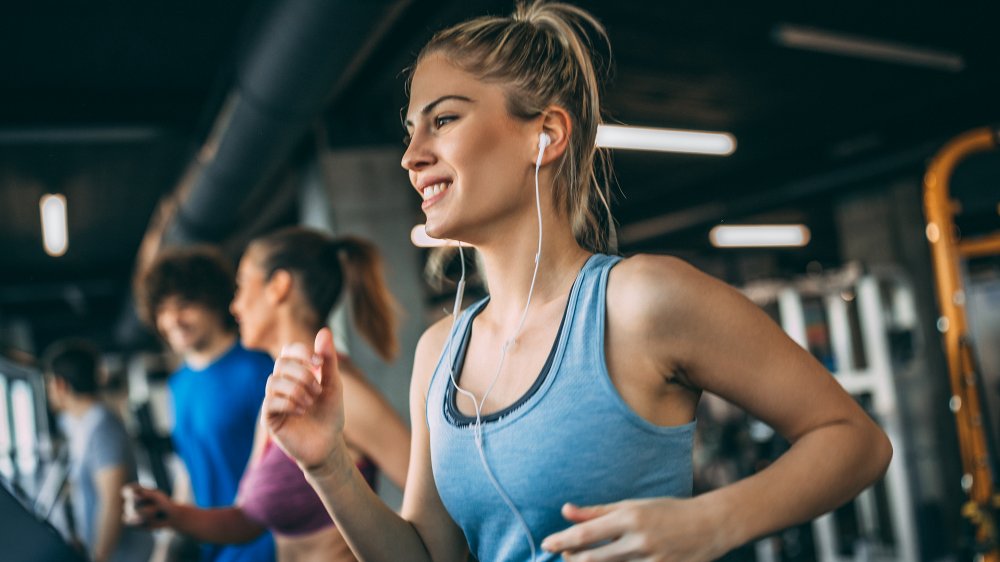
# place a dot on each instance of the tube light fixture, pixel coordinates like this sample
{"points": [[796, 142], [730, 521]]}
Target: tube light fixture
{"points": [[55, 234], [759, 236], [421, 239], [812, 39], [665, 140]]}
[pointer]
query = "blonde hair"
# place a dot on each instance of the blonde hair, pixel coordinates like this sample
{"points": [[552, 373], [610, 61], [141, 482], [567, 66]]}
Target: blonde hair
{"points": [[542, 55]]}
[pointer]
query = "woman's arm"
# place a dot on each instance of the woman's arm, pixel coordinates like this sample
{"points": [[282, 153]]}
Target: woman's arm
{"points": [[155, 510], [374, 427], [306, 418], [698, 332], [224, 525]]}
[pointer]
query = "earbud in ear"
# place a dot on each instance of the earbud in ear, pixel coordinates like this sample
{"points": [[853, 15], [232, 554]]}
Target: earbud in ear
{"points": [[543, 141]]}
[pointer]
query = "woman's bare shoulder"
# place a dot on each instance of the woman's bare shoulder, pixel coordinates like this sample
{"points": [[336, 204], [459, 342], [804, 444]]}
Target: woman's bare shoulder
{"points": [[428, 351], [646, 286]]}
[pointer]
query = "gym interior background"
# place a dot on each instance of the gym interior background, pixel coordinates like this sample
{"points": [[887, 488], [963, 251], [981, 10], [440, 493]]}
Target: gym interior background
{"points": [[189, 122]]}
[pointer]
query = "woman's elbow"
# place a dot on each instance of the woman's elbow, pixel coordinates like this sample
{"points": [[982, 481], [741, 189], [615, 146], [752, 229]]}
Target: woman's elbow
{"points": [[879, 452]]}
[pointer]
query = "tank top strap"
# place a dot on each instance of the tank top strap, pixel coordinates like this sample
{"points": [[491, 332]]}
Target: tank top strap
{"points": [[586, 312]]}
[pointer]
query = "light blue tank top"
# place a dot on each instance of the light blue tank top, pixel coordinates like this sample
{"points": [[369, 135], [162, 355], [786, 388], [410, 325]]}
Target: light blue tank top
{"points": [[571, 438]]}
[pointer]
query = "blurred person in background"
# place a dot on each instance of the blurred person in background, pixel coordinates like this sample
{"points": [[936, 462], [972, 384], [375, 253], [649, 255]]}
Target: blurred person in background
{"points": [[216, 393], [288, 283], [101, 460]]}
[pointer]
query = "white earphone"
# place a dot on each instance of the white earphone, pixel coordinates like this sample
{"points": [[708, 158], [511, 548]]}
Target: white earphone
{"points": [[544, 140]]}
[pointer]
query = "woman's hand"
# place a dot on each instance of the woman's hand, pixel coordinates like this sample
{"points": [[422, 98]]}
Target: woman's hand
{"points": [[146, 507], [303, 405], [660, 530]]}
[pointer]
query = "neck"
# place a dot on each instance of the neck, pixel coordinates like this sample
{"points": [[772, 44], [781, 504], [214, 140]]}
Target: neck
{"points": [[199, 359], [79, 404], [287, 332], [510, 264]]}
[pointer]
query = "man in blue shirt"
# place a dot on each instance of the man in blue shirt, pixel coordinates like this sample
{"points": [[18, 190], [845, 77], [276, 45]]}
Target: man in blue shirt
{"points": [[217, 392]]}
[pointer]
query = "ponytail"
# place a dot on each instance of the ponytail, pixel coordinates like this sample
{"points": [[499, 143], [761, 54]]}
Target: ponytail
{"points": [[371, 304], [323, 268]]}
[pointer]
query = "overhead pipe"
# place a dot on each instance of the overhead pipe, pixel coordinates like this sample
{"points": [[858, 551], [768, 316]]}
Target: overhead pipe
{"points": [[302, 52]]}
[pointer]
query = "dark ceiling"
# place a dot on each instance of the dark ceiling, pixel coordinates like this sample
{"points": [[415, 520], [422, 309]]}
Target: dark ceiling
{"points": [[109, 101]]}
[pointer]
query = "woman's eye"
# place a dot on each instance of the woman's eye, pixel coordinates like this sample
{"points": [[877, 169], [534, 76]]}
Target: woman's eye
{"points": [[406, 139], [443, 120]]}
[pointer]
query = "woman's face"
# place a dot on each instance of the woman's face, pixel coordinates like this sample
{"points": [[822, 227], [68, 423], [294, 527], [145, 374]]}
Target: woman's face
{"points": [[469, 159], [250, 306]]}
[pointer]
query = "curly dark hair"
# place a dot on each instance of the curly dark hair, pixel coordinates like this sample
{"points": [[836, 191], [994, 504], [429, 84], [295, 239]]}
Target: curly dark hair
{"points": [[195, 274]]}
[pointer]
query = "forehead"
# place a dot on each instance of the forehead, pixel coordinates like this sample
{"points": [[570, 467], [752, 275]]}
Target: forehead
{"points": [[174, 303], [436, 76], [249, 263]]}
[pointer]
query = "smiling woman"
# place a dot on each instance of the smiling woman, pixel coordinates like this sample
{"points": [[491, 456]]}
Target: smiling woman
{"points": [[555, 417]]}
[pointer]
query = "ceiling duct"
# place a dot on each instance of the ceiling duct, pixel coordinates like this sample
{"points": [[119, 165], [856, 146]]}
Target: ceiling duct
{"points": [[300, 55], [303, 51]]}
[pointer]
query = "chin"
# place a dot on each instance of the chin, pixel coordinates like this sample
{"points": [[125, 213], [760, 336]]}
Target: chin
{"points": [[434, 231], [248, 341], [441, 232], [181, 344]]}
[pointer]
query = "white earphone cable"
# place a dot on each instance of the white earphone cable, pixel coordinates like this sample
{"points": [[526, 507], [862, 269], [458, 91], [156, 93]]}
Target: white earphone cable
{"points": [[479, 404]]}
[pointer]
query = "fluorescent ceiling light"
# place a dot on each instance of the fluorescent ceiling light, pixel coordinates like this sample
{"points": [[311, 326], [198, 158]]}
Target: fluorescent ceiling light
{"points": [[812, 39], [759, 236], [421, 239], [665, 140], [55, 235]]}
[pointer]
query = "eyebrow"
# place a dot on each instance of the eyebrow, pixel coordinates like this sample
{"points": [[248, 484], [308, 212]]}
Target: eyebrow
{"points": [[430, 107]]}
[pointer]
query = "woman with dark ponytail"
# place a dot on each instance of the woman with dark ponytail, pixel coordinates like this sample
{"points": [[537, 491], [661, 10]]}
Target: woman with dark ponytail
{"points": [[287, 284], [556, 417]]}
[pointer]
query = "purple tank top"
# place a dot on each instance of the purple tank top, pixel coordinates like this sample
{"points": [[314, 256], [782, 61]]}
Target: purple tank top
{"points": [[275, 494]]}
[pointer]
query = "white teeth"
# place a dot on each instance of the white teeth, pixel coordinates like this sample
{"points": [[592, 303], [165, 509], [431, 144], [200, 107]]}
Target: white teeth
{"points": [[432, 190]]}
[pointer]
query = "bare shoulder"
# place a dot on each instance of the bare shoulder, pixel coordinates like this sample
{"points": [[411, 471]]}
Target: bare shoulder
{"points": [[348, 367], [654, 271], [354, 378], [428, 352], [645, 287]]}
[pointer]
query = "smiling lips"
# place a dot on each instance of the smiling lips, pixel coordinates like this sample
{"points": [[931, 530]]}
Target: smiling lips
{"points": [[433, 193]]}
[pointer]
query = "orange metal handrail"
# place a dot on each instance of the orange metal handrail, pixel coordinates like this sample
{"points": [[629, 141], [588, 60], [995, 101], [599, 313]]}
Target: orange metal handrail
{"points": [[980, 247], [946, 252]]}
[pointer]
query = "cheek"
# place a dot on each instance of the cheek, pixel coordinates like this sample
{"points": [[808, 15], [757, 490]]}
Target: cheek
{"points": [[163, 322], [188, 318], [255, 312], [490, 157]]}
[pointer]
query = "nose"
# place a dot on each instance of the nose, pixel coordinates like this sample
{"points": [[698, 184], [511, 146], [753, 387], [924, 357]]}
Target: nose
{"points": [[418, 155]]}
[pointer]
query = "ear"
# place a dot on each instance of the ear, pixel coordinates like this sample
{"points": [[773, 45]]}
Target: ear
{"points": [[279, 287], [558, 125], [56, 388]]}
